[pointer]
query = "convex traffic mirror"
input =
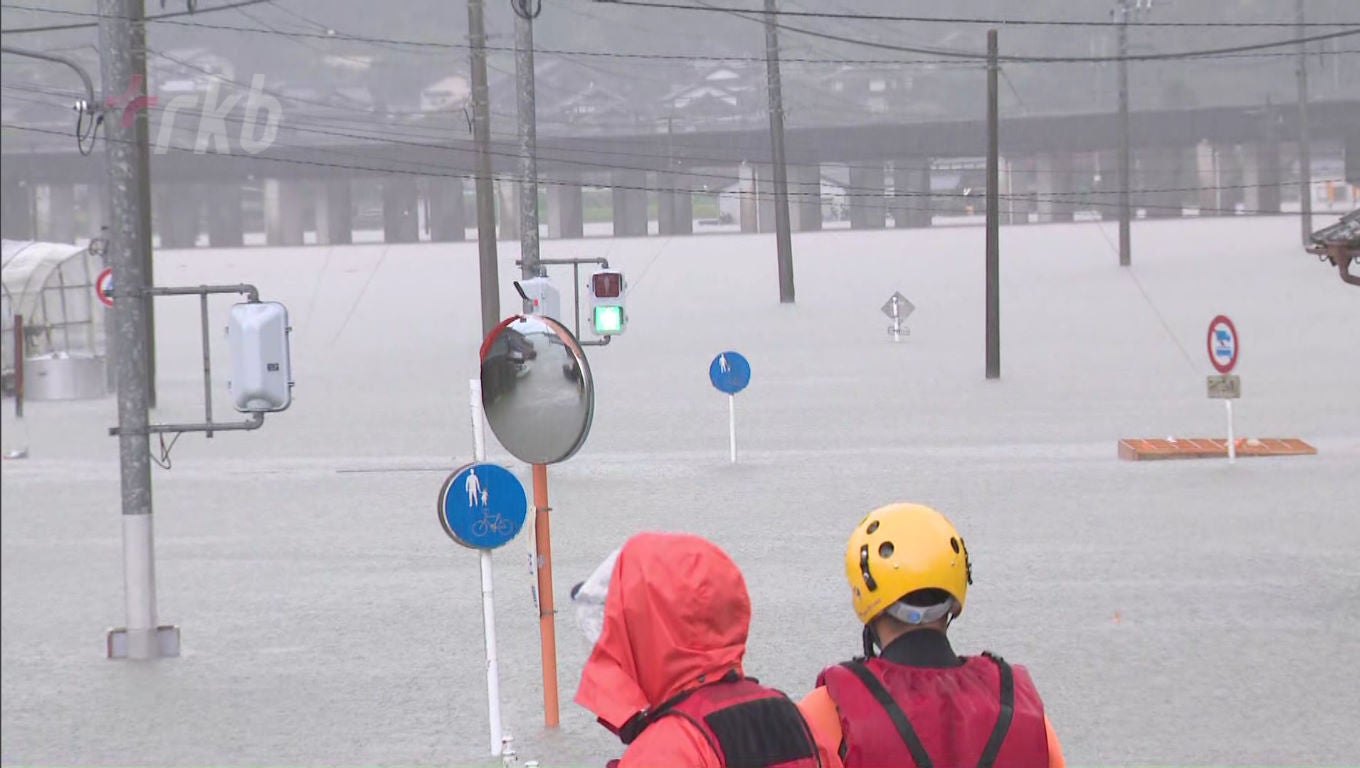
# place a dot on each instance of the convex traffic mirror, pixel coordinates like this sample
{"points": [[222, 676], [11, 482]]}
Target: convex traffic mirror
{"points": [[536, 389]]}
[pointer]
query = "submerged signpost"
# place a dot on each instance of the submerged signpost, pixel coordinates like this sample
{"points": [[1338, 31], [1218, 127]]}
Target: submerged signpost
{"points": [[898, 309], [730, 373], [1224, 348]]}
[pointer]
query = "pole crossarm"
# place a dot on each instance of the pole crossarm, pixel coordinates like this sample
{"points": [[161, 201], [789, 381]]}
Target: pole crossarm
{"points": [[207, 425]]}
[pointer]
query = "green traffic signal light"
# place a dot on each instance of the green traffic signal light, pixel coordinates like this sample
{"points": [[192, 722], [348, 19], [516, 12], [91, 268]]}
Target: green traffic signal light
{"points": [[608, 320]]}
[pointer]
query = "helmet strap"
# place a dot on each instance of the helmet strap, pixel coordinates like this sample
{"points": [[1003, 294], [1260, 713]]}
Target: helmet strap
{"points": [[869, 640]]}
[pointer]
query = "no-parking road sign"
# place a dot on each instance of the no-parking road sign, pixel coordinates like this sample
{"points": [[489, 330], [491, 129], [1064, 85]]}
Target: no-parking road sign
{"points": [[1224, 344]]}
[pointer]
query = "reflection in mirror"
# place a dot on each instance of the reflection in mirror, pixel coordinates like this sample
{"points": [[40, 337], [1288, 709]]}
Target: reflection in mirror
{"points": [[536, 389]]}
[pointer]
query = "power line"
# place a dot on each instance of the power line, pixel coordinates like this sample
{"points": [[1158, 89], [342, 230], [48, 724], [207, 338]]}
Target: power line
{"points": [[950, 55], [93, 24], [1012, 59], [738, 194], [968, 20], [566, 154]]}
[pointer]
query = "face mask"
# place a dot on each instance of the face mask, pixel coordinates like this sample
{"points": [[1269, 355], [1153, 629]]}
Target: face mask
{"points": [[587, 599]]}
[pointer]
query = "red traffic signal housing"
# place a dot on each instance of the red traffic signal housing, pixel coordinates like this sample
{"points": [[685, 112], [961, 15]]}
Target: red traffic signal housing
{"points": [[606, 285]]}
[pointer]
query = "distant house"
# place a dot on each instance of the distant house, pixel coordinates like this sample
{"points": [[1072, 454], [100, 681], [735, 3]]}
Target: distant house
{"points": [[722, 94], [594, 105], [188, 71], [444, 95]]}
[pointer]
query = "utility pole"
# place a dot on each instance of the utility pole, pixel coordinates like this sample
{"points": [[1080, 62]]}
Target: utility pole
{"points": [[486, 194], [525, 12], [143, 149], [993, 213], [1125, 213], [783, 238], [119, 44], [1305, 151]]}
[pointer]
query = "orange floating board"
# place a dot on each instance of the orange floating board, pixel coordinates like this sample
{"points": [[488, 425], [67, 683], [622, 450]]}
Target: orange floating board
{"points": [[1140, 449]]}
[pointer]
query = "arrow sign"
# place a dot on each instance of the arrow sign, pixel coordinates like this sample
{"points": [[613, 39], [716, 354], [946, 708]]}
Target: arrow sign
{"points": [[898, 307]]}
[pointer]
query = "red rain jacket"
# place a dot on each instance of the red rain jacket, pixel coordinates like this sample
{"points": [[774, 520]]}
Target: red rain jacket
{"points": [[676, 617]]}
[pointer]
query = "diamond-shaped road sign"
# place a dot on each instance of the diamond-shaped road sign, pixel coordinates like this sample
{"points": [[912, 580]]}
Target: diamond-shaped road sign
{"points": [[897, 306]]}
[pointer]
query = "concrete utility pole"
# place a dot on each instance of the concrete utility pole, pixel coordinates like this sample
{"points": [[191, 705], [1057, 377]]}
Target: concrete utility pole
{"points": [[1305, 151], [120, 42], [486, 193], [783, 238], [525, 12], [1125, 212], [993, 213]]}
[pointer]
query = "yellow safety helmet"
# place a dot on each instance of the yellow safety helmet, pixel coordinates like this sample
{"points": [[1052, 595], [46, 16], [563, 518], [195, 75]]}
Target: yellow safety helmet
{"points": [[899, 549]]}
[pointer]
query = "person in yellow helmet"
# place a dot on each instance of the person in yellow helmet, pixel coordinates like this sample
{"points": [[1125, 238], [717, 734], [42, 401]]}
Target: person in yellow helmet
{"points": [[911, 701]]}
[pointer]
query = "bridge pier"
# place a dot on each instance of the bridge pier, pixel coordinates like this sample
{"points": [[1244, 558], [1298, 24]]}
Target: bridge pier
{"points": [[1014, 205], [1261, 177], [16, 210], [283, 212], [805, 197], [630, 203], [1157, 171], [748, 203], [566, 211], [1053, 184], [867, 196], [675, 204], [401, 205], [56, 213], [177, 211], [448, 220], [1210, 172], [334, 213], [226, 228], [507, 212], [911, 192], [91, 204]]}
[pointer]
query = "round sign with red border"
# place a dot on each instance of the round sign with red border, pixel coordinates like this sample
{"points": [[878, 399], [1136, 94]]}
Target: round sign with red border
{"points": [[102, 285], [1223, 344]]}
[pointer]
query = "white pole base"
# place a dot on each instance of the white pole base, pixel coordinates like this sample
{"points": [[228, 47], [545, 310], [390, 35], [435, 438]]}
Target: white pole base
{"points": [[142, 644]]}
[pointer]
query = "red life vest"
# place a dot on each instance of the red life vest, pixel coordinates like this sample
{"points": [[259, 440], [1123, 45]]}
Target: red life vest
{"points": [[747, 725], [956, 716]]}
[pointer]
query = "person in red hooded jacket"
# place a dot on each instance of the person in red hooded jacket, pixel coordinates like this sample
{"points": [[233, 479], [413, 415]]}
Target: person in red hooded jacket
{"points": [[665, 673]]}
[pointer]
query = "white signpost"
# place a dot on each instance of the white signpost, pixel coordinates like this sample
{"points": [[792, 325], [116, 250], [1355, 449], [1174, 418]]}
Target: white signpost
{"points": [[1224, 346], [898, 309]]}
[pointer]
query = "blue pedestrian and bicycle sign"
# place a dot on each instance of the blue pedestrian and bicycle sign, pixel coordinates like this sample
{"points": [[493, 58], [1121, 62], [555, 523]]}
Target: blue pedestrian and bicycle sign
{"points": [[729, 372], [482, 506]]}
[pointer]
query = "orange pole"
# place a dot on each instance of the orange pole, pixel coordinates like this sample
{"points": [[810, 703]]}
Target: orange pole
{"points": [[546, 629]]}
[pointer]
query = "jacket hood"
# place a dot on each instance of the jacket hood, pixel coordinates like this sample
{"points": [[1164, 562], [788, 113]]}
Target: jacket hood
{"points": [[676, 616]]}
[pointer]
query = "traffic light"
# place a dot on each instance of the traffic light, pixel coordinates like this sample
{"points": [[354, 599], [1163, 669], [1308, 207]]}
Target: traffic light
{"points": [[607, 299]]}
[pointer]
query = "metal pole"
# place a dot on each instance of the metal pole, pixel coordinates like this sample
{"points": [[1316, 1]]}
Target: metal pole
{"points": [[207, 362], [1125, 212], [732, 426], [1305, 151], [1232, 441], [127, 250], [18, 367], [493, 679], [137, 12], [993, 214], [486, 193], [783, 239], [528, 139], [547, 630]]}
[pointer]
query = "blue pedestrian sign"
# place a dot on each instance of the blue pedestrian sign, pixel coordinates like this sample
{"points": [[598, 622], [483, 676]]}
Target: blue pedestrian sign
{"points": [[482, 506], [729, 372]]}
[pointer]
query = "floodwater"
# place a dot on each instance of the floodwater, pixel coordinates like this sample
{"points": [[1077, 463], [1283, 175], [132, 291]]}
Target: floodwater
{"points": [[1170, 612]]}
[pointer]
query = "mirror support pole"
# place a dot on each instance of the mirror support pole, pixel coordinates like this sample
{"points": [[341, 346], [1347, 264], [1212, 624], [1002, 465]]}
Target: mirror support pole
{"points": [[546, 614]]}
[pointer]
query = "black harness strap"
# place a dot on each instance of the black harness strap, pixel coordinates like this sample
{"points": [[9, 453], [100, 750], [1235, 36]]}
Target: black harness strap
{"points": [[1003, 718], [895, 713]]}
